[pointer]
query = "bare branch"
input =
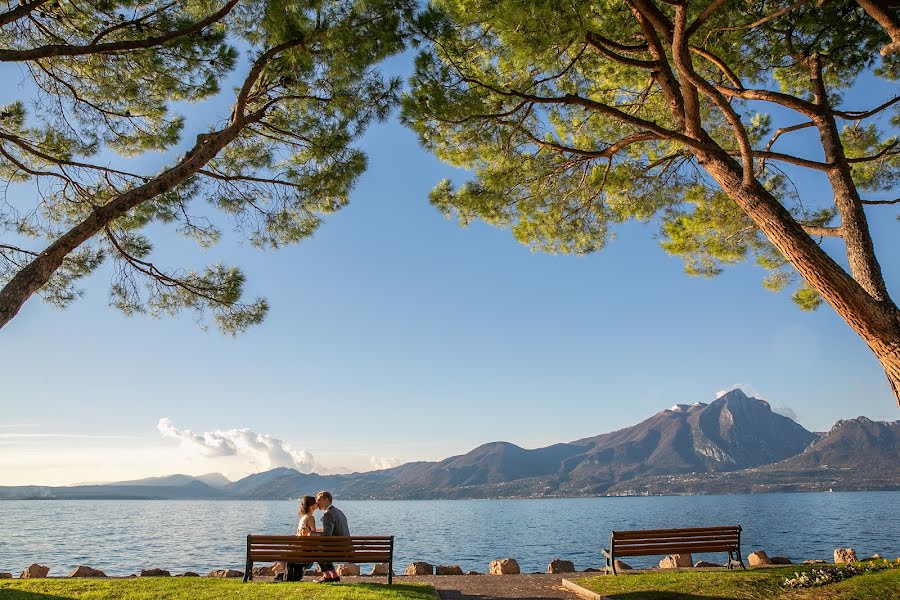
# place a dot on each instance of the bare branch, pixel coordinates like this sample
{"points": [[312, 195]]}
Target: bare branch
{"points": [[766, 19], [711, 8], [794, 160], [886, 150], [854, 115], [823, 231], [599, 43], [881, 202]]}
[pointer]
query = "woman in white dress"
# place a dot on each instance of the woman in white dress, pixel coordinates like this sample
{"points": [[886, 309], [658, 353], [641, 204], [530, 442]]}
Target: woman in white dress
{"points": [[306, 526]]}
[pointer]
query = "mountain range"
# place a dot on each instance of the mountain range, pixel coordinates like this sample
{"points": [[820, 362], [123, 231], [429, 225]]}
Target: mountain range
{"points": [[735, 444]]}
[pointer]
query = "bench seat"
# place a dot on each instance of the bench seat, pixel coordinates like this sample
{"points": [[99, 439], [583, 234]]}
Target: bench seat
{"points": [[312, 549], [652, 542]]}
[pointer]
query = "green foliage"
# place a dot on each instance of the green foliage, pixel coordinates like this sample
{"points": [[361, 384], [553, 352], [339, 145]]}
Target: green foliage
{"points": [[552, 107], [291, 163]]}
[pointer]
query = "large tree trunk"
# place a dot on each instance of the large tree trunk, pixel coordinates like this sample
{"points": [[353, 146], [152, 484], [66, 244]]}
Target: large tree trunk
{"points": [[885, 12], [892, 370], [876, 322]]}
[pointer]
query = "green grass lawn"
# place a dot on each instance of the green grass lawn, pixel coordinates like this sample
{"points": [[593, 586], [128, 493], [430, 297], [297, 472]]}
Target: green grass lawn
{"points": [[166, 588], [755, 584]]}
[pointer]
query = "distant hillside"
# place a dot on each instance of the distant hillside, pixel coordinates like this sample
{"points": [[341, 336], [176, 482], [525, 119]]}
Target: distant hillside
{"points": [[732, 445], [214, 480], [193, 490], [877, 442], [857, 454], [734, 432]]}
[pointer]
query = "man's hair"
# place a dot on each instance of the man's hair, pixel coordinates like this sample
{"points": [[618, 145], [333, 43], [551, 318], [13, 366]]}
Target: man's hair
{"points": [[324, 494]]}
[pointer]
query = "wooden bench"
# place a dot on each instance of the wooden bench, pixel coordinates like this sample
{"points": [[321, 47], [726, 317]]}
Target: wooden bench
{"points": [[314, 548], [651, 542]]}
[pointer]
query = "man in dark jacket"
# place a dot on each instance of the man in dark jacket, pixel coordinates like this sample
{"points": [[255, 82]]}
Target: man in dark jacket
{"points": [[334, 523]]}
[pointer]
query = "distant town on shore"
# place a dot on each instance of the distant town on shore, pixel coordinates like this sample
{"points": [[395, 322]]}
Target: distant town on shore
{"points": [[733, 445]]}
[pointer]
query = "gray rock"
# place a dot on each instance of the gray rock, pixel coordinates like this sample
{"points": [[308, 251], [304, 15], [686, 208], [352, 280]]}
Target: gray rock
{"points": [[35, 571], [561, 566], [473, 573], [780, 560], [448, 570], [504, 566], [83, 571], [843, 556], [155, 573], [225, 574], [702, 564], [348, 570], [420, 568], [817, 561], [6, 576], [676, 561], [189, 574], [620, 566]]}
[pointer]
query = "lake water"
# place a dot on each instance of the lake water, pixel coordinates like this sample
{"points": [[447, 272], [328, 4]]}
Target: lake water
{"points": [[122, 537]]}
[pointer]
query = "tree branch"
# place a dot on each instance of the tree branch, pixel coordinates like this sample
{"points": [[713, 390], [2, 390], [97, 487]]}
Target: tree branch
{"points": [[823, 231], [881, 202], [881, 12], [52, 50], [22, 10], [855, 115]]}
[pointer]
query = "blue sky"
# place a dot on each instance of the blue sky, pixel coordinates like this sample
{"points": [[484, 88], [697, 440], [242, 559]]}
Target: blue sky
{"points": [[394, 335]]}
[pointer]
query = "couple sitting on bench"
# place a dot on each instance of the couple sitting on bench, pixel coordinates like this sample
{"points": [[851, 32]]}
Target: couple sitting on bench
{"points": [[326, 546], [334, 523]]}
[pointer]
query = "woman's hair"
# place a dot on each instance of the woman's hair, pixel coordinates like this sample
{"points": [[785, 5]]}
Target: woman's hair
{"points": [[307, 503]]}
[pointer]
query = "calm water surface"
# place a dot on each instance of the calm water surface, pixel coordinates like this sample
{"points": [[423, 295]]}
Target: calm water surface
{"points": [[122, 537]]}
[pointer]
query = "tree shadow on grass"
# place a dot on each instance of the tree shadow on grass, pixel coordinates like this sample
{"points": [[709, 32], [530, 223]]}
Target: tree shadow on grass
{"points": [[455, 595], [16, 594], [663, 596]]}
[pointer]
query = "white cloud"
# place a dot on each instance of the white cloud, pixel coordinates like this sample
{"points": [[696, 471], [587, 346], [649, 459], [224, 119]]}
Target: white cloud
{"points": [[383, 462], [786, 411], [262, 451], [777, 407]]}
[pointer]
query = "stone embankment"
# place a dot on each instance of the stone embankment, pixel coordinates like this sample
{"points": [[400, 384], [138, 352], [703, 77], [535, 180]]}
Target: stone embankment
{"points": [[503, 566]]}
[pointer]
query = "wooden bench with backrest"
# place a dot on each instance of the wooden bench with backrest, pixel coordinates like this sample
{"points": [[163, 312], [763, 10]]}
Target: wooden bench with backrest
{"points": [[651, 542], [312, 549]]}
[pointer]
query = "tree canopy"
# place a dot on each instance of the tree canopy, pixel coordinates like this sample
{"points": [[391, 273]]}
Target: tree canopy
{"points": [[108, 75], [574, 117]]}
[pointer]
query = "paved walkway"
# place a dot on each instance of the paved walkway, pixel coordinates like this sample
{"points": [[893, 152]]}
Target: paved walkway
{"points": [[494, 587]]}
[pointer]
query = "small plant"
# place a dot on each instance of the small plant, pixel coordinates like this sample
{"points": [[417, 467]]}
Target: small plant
{"points": [[826, 575]]}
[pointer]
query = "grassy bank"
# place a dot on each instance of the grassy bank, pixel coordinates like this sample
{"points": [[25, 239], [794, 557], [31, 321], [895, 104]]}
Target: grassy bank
{"points": [[756, 584], [165, 588]]}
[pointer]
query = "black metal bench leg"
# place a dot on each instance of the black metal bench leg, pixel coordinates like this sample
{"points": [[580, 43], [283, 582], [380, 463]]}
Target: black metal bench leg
{"points": [[248, 567]]}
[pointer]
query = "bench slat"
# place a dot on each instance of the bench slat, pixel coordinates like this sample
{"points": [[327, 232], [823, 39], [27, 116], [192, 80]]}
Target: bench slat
{"points": [[673, 540], [672, 550], [318, 545], [327, 539], [311, 557], [668, 532]]}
